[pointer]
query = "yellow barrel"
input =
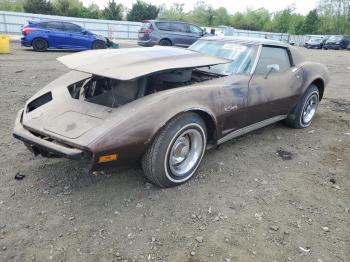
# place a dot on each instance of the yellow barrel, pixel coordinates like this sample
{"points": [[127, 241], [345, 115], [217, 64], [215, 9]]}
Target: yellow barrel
{"points": [[4, 44]]}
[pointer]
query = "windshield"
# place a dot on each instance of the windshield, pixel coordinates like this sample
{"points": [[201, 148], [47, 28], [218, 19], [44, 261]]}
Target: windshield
{"points": [[242, 56], [335, 38], [315, 40]]}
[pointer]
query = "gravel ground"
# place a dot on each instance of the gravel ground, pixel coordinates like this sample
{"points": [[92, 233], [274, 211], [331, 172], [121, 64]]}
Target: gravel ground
{"points": [[245, 204]]}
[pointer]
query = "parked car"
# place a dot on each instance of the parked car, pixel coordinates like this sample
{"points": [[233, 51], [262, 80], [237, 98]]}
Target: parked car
{"points": [[348, 47], [337, 42], [165, 106], [315, 42], [61, 35], [168, 33]]}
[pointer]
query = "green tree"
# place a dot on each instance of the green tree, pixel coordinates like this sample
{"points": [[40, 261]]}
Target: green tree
{"points": [[113, 11], [202, 14], [311, 23], [142, 11], [175, 12], [37, 6], [282, 19], [11, 5], [92, 11], [221, 17], [74, 8], [251, 19], [334, 16]]}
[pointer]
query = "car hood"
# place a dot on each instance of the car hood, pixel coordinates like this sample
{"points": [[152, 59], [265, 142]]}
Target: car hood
{"points": [[131, 63]]}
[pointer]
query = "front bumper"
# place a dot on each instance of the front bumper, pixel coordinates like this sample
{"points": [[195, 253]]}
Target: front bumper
{"points": [[313, 46], [42, 146], [332, 46]]}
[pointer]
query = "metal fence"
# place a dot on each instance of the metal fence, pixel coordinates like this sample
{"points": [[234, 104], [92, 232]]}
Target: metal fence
{"points": [[12, 22]]}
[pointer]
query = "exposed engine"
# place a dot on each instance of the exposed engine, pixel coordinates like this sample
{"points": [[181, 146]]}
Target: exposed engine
{"points": [[114, 93]]}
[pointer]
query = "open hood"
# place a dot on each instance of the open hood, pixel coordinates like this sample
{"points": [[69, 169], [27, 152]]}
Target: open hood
{"points": [[131, 63]]}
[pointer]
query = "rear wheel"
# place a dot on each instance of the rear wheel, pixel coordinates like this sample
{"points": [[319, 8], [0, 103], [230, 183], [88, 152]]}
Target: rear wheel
{"points": [[98, 44], [305, 110], [175, 154], [40, 45], [165, 42]]}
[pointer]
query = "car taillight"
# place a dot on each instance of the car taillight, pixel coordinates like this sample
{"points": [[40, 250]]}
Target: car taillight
{"points": [[27, 30], [148, 30]]}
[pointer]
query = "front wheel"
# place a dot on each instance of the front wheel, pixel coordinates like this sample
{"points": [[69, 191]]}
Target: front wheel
{"points": [[305, 110], [175, 154], [98, 44]]}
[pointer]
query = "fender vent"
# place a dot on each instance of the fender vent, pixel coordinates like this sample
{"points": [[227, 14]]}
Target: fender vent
{"points": [[38, 102]]}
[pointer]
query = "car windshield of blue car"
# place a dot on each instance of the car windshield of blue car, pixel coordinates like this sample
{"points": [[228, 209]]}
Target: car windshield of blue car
{"points": [[242, 56]]}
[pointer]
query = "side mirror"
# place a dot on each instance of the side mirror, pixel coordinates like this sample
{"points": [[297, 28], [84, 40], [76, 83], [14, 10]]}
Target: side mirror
{"points": [[84, 32], [271, 68]]}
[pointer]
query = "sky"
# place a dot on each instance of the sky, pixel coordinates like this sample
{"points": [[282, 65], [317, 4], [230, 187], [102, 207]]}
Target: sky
{"points": [[302, 6]]}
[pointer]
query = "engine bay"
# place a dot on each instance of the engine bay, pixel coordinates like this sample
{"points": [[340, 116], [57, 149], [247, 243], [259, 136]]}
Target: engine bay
{"points": [[114, 93]]}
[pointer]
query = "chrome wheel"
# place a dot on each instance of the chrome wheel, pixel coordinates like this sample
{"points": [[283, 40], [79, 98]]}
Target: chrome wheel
{"points": [[186, 153], [310, 109]]}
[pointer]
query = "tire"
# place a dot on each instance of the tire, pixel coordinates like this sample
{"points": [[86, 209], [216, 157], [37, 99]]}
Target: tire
{"points": [[176, 152], [305, 110], [98, 44], [165, 42], [40, 45]]}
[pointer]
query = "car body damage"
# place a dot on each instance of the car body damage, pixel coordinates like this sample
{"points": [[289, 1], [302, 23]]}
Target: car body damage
{"points": [[131, 63], [114, 104]]}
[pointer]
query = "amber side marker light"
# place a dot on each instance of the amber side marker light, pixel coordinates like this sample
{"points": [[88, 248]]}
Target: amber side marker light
{"points": [[107, 158]]}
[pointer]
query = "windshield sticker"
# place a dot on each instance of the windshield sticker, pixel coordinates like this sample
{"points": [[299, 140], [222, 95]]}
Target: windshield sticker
{"points": [[235, 47]]}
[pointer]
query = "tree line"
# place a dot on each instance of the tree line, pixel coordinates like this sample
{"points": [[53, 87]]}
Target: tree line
{"points": [[328, 17]]}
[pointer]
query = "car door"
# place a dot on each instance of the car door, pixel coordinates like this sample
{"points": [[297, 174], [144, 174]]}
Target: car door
{"points": [[179, 34], [75, 37], [236, 86], [55, 33], [275, 85], [194, 34], [165, 31]]}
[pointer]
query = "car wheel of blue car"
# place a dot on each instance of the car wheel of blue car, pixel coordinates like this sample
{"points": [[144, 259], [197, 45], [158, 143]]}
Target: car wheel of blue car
{"points": [[99, 45], [40, 45]]}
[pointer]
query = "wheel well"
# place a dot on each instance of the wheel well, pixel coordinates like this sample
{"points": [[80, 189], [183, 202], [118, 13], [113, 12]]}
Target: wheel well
{"points": [[320, 85], [166, 39], [209, 124]]}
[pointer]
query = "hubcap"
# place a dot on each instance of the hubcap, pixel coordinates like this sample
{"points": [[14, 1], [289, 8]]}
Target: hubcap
{"points": [[185, 152], [310, 109], [40, 44]]}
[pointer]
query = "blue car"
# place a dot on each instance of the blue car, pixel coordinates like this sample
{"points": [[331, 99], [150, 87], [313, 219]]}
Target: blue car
{"points": [[42, 35]]}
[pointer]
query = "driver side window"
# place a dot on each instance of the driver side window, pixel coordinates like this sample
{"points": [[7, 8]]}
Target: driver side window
{"points": [[273, 57], [195, 30]]}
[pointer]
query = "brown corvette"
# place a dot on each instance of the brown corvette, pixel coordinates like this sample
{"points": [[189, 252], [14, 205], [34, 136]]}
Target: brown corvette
{"points": [[165, 106]]}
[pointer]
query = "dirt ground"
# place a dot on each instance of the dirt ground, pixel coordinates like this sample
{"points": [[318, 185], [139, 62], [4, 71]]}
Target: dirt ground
{"points": [[245, 204]]}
